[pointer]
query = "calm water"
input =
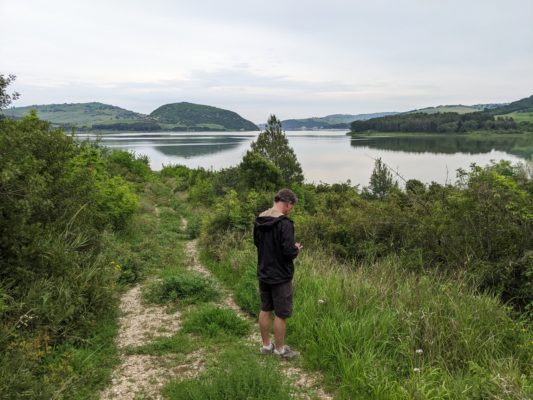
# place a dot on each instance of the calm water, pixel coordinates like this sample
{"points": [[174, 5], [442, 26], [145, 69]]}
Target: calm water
{"points": [[327, 156]]}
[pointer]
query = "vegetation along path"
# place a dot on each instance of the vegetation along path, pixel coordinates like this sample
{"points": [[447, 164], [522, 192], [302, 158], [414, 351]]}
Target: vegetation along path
{"points": [[156, 353]]}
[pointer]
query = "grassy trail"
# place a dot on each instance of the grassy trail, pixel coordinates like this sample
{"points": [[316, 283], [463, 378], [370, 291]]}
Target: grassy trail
{"points": [[178, 338], [144, 375]]}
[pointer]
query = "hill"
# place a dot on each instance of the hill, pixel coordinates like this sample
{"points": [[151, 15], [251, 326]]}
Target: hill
{"points": [[201, 116], [522, 105], [96, 116], [492, 118], [80, 115], [334, 121]]}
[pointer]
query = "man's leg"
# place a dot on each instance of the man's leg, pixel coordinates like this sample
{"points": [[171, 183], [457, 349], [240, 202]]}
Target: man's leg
{"points": [[280, 326], [265, 322]]}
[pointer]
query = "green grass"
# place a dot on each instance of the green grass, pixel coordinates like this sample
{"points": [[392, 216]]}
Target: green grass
{"points": [[366, 332], [183, 288], [460, 109], [237, 273], [519, 116], [81, 114], [363, 326], [237, 374], [215, 322], [177, 344], [71, 370]]}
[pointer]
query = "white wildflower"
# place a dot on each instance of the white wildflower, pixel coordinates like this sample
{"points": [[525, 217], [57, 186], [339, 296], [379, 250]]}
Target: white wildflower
{"points": [[320, 301], [416, 370], [419, 351]]}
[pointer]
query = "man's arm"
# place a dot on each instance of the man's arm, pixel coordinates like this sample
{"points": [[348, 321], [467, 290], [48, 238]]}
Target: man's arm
{"points": [[288, 247]]}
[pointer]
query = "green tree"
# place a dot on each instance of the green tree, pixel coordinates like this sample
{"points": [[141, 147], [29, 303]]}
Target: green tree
{"points": [[272, 144], [6, 98], [259, 173], [381, 180]]}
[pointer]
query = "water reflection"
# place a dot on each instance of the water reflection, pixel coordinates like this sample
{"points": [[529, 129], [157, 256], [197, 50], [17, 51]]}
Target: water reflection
{"points": [[176, 144], [446, 144], [328, 156], [195, 150]]}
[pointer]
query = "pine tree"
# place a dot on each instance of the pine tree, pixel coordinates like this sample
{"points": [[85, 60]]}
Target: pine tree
{"points": [[381, 180], [273, 145]]}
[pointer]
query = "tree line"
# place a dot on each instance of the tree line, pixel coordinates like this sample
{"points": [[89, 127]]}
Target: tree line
{"points": [[448, 122]]}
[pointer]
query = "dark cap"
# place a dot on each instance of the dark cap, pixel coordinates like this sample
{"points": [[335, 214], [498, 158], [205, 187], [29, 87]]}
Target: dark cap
{"points": [[286, 196]]}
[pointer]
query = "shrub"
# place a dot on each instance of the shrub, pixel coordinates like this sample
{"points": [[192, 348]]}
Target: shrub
{"points": [[259, 173], [56, 201], [128, 165]]}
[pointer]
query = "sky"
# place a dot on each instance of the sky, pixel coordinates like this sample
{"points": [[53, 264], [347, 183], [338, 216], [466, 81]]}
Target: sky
{"points": [[291, 58]]}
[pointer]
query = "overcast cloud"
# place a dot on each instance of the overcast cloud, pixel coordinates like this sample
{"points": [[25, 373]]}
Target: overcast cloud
{"points": [[293, 58]]}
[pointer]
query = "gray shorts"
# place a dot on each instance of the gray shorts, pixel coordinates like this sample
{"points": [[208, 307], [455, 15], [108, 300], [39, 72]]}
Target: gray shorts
{"points": [[277, 298]]}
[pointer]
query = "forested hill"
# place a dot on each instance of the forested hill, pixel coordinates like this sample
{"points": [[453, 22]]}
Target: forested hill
{"points": [[516, 116], [81, 115], [197, 115], [334, 121], [523, 105], [96, 116]]}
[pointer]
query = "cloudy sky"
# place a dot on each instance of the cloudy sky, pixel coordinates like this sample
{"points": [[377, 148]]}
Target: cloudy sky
{"points": [[293, 58]]}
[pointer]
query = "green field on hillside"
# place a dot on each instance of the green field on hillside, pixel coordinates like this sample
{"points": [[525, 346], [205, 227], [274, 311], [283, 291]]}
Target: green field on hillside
{"points": [[459, 109], [81, 115], [519, 116]]}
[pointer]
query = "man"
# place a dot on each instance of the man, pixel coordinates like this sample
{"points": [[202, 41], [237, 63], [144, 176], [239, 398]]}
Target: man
{"points": [[276, 250]]}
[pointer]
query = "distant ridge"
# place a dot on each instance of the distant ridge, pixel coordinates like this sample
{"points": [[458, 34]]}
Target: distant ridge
{"points": [[513, 117], [334, 121], [96, 116]]}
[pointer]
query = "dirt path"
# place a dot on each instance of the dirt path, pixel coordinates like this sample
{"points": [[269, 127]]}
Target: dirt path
{"points": [[143, 376], [307, 382]]}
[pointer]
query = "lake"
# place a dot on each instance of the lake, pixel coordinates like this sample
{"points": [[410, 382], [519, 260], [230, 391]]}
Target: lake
{"points": [[329, 155]]}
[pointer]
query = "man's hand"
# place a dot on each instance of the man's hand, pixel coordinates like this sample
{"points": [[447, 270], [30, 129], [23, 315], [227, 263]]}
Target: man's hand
{"points": [[298, 246]]}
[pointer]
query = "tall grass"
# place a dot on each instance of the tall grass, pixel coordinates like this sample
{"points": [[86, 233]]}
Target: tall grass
{"points": [[379, 332]]}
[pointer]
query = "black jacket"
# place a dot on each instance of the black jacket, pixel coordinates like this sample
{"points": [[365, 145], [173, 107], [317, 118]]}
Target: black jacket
{"points": [[274, 239]]}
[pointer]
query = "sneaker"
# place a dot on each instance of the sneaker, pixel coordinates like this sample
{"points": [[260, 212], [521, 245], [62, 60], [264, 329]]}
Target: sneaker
{"points": [[286, 353], [267, 349]]}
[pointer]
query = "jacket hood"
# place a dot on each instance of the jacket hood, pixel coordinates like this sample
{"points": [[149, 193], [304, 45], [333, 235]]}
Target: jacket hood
{"points": [[271, 213], [267, 219]]}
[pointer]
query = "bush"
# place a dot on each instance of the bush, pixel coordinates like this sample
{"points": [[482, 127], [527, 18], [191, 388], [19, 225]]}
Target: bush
{"points": [[56, 201], [128, 165]]}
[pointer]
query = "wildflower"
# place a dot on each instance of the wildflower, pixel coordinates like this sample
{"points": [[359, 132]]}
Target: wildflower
{"points": [[416, 370], [419, 351], [320, 301]]}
